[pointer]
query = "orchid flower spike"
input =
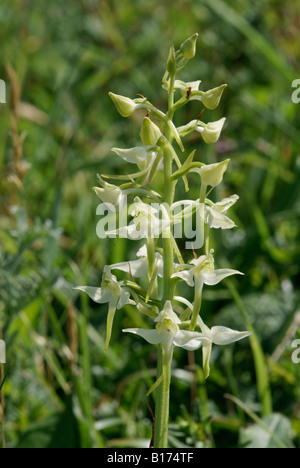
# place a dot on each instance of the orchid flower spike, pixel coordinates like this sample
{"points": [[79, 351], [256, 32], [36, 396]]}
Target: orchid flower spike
{"points": [[218, 336], [136, 155], [201, 271], [112, 292], [210, 132]]}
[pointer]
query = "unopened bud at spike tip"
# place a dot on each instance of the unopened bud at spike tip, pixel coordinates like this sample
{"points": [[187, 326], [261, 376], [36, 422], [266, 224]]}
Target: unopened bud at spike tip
{"points": [[171, 64], [211, 98]]}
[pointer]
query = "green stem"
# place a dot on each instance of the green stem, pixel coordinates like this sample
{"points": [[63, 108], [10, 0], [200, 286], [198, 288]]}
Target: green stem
{"points": [[165, 358], [206, 237], [162, 403]]}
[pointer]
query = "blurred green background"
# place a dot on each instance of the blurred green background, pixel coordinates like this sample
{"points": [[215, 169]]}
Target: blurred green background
{"points": [[59, 60]]}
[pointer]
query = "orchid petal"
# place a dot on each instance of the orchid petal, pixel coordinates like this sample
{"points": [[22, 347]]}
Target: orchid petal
{"points": [[138, 268], [124, 299], [142, 252], [185, 275], [184, 301], [109, 323], [226, 336], [99, 295], [213, 278], [124, 105], [188, 340], [167, 314], [217, 220], [135, 155], [211, 98], [224, 205]]}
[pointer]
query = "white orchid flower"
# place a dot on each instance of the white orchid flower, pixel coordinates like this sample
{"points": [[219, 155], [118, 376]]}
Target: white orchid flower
{"points": [[125, 106], [212, 174], [211, 98], [168, 333], [201, 271], [191, 86], [112, 292], [219, 336], [184, 87], [210, 132], [215, 213]]}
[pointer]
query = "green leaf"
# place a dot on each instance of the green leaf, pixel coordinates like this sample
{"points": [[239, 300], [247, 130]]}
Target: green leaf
{"points": [[279, 430]]}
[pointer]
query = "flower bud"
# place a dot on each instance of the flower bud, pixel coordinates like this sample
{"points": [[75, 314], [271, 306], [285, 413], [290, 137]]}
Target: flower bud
{"points": [[211, 98], [125, 106], [213, 173], [150, 133], [188, 47], [171, 64], [211, 132]]}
